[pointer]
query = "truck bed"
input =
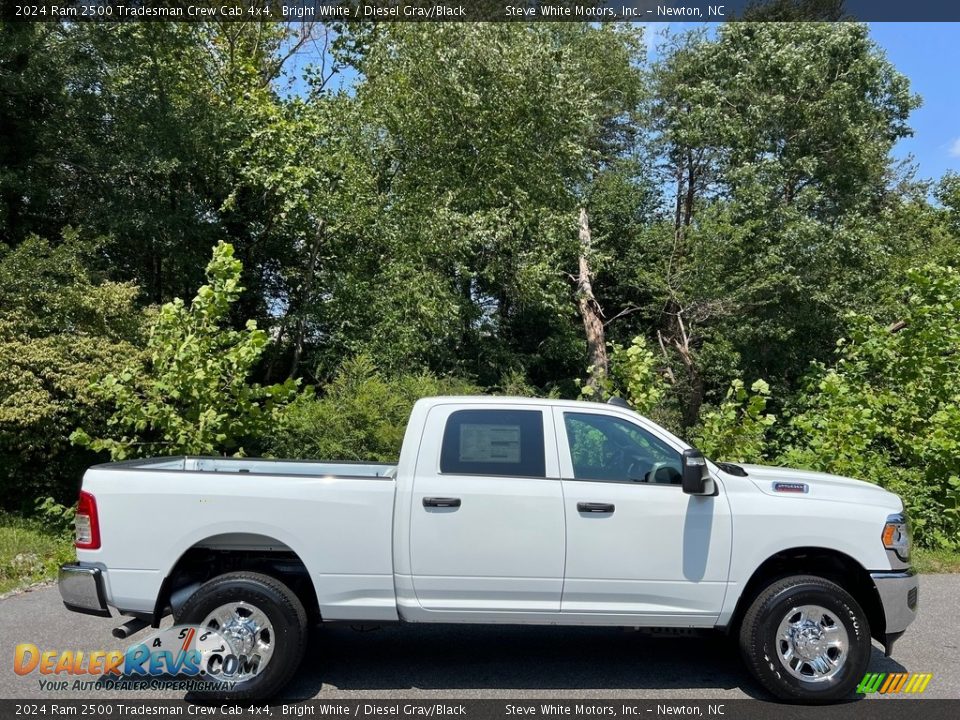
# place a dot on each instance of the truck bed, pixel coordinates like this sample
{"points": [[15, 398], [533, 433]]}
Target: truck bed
{"points": [[337, 518]]}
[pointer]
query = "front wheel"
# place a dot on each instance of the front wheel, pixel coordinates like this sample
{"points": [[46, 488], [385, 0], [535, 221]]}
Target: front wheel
{"points": [[264, 623], [806, 639]]}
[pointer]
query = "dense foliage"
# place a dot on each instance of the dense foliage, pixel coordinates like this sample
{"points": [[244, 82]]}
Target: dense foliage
{"points": [[888, 409], [63, 327], [190, 391], [408, 209], [360, 415]]}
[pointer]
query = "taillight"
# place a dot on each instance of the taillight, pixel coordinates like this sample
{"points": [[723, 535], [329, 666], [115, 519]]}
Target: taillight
{"points": [[87, 523]]}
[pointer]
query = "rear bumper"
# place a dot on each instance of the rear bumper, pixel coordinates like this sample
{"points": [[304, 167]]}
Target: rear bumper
{"points": [[81, 588], [900, 596]]}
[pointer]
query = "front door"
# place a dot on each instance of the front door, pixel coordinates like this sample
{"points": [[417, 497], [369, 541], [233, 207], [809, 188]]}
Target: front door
{"points": [[636, 544]]}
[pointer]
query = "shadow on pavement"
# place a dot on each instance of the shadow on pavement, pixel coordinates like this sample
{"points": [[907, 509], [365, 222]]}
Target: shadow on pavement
{"points": [[477, 658]]}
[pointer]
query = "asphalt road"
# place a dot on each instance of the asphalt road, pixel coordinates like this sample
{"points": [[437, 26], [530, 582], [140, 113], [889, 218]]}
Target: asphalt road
{"points": [[418, 662]]}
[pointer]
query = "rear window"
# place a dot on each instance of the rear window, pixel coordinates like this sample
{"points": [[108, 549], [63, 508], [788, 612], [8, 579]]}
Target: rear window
{"points": [[494, 442]]}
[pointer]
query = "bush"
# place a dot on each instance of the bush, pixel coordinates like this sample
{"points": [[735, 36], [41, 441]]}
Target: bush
{"points": [[736, 430], [360, 415], [62, 328], [633, 376], [888, 411]]}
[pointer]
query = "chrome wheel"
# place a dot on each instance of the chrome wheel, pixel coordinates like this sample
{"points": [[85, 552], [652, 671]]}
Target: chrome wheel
{"points": [[812, 643], [249, 633]]}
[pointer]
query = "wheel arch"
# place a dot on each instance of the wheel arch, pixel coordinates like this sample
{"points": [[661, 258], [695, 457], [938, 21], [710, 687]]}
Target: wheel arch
{"points": [[232, 551], [830, 564]]}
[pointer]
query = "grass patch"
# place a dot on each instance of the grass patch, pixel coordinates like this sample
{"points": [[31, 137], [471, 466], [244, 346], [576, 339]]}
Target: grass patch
{"points": [[936, 561], [29, 552]]}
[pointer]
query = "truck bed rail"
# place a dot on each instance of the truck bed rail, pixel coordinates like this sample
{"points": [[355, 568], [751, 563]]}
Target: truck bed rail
{"points": [[255, 466]]}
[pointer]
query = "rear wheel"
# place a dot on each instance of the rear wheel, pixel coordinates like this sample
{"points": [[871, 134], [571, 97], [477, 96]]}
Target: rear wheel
{"points": [[806, 639], [265, 625]]}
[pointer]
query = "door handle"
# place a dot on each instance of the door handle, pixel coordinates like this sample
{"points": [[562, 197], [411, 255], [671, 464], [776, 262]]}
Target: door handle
{"points": [[440, 502], [595, 507]]}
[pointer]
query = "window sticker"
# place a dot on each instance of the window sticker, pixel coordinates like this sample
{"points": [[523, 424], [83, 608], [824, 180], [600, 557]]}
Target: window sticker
{"points": [[489, 443]]}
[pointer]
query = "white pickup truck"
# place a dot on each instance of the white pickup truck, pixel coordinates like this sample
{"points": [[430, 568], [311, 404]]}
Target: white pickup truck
{"points": [[504, 510]]}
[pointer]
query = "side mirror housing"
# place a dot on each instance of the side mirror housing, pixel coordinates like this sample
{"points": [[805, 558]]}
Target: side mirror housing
{"points": [[696, 476]]}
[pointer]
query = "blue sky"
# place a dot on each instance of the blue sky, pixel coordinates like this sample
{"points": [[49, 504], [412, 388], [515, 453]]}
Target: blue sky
{"points": [[928, 54]]}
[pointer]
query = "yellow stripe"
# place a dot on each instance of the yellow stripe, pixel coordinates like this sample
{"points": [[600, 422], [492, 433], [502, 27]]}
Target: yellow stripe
{"points": [[918, 682]]}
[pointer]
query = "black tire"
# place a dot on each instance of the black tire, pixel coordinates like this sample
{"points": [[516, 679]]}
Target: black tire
{"points": [[761, 648], [283, 610]]}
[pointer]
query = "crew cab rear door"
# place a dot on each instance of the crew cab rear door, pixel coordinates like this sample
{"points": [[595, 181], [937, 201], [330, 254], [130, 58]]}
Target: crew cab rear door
{"points": [[636, 544], [487, 519]]}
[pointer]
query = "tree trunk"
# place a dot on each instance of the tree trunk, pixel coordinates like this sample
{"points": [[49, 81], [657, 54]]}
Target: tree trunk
{"points": [[157, 279], [681, 341], [691, 190], [303, 299], [675, 332], [590, 310]]}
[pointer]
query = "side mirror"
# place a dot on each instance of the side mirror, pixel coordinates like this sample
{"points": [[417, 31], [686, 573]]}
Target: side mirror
{"points": [[696, 476]]}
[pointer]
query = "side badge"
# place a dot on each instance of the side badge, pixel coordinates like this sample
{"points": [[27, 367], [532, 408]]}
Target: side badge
{"points": [[789, 487]]}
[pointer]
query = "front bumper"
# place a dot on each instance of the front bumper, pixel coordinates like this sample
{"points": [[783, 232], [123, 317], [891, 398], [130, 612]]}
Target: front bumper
{"points": [[900, 597], [81, 588]]}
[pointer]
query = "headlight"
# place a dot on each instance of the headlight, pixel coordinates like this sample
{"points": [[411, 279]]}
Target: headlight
{"points": [[896, 536]]}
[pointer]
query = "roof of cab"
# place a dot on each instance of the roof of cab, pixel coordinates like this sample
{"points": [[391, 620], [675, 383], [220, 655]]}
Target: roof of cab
{"points": [[513, 400]]}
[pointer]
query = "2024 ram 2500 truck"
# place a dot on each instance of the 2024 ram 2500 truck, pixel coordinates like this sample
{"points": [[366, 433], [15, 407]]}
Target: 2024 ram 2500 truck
{"points": [[505, 510]]}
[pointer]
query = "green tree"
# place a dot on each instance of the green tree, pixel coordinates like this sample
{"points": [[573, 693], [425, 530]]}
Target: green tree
{"points": [[481, 166], [123, 144], [948, 193], [136, 132], [62, 327], [190, 392], [888, 409], [776, 143]]}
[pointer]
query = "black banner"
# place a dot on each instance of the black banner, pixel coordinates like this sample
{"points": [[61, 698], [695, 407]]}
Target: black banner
{"points": [[479, 10], [487, 709]]}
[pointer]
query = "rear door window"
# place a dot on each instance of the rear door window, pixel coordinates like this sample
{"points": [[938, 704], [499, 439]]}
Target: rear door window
{"points": [[507, 443]]}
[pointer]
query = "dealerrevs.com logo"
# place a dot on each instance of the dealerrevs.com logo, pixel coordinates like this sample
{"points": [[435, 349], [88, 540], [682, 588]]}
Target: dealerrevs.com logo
{"points": [[200, 656], [892, 683]]}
